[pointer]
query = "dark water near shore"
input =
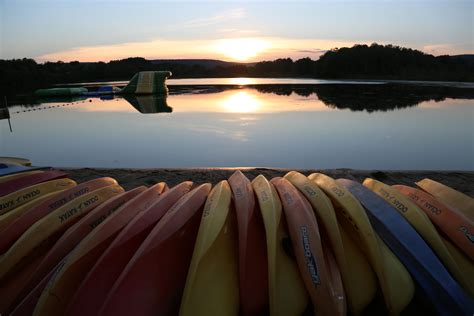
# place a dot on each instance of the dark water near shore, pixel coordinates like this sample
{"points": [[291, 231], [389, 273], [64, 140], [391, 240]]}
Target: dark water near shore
{"points": [[236, 123]]}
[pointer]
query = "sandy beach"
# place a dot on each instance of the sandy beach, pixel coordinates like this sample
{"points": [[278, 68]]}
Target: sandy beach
{"points": [[129, 178]]}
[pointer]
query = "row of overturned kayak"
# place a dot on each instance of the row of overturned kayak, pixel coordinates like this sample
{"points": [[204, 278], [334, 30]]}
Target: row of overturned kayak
{"points": [[292, 245]]}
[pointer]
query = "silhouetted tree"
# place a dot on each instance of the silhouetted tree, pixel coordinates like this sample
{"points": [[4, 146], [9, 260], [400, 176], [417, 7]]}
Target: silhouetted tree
{"points": [[358, 62]]}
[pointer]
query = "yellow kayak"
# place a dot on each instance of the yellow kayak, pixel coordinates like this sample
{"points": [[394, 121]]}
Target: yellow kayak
{"points": [[18, 175], [15, 161], [56, 221], [9, 217], [212, 283], [455, 199], [421, 222], [464, 263], [15, 199], [287, 291], [358, 278], [395, 281]]}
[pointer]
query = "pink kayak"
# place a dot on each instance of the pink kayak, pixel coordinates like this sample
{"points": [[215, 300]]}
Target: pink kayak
{"points": [[92, 292], [153, 281], [62, 286], [32, 179], [253, 271], [13, 293]]}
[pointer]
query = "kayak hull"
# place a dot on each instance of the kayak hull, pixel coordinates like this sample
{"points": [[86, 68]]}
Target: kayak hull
{"points": [[56, 297], [26, 181], [320, 274], [70, 239], [94, 289], [212, 285], [17, 227], [287, 293], [455, 225], [433, 279], [153, 280], [253, 271]]}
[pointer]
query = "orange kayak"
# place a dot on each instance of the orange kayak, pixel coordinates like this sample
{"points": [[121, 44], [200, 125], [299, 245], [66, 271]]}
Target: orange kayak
{"points": [[153, 281], [457, 200], [253, 271], [29, 180], [93, 291], [453, 224], [62, 247], [61, 288], [318, 269], [17, 227]]}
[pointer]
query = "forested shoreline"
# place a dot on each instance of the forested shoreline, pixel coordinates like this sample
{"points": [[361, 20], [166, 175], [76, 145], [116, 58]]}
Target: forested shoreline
{"points": [[358, 62]]}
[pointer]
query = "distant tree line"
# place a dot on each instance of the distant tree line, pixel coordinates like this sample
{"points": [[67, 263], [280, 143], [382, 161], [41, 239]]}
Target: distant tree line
{"points": [[358, 62], [391, 62]]}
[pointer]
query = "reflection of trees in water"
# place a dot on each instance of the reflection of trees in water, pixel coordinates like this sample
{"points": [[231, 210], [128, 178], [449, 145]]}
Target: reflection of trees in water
{"points": [[190, 89], [372, 97], [4, 113], [302, 90], [356, 97]]}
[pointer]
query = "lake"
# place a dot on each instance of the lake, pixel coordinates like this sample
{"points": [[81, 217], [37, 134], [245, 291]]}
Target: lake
{"points": [[244, 122]]}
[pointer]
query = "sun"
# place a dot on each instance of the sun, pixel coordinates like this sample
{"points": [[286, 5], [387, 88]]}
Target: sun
{"points": [[241, 49]]}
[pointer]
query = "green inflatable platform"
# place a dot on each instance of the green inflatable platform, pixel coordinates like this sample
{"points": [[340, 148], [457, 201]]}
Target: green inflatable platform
{"points": [[148, 82], [60, 92]]}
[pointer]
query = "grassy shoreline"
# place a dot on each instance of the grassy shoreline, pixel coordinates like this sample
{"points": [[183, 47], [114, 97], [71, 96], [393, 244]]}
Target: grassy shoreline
{"points": [[462, 181]]}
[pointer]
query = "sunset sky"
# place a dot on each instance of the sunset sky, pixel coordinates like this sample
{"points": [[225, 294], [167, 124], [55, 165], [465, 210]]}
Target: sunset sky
{"points": [[227, 30]]}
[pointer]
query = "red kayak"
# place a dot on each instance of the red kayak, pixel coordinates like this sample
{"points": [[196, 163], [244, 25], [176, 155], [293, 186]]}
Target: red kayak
{"points": [[12, 284], [16, 228], [153, 281], [32, 179], [90, 296], [11, 294], [27, 306], [62, 287], [319, 270], [253, 270]]}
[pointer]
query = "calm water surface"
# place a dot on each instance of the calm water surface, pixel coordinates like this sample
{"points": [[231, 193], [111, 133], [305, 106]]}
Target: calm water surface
{"points": [[276, 124]]}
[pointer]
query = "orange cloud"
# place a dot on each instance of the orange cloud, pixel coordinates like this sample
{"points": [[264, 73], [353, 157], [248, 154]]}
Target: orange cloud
{"points": [[268, 48], [446, 49]]}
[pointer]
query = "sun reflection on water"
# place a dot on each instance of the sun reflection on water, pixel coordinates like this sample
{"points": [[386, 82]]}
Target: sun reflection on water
{"points": [[241, 102], [242, 81]]}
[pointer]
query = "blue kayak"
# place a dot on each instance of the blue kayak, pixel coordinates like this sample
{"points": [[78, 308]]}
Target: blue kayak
{"points": [[437, 285], [6, 169]]}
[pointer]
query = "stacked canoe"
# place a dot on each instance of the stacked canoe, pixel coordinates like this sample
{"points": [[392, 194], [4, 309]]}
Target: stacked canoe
{"points": [[292, 245]]}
